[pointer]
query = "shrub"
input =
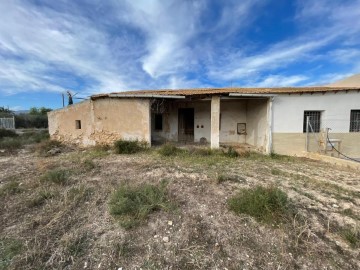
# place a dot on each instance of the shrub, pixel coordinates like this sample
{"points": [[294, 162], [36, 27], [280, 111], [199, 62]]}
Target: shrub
{"points": [[10, 144], [45, 146], [169, 149], [129, 147], [57, 176], [7, 133], [231, 152], [9, 248], [40, 198], [202, 151], [131, 205], [10, 188], [352, 236], [265, 204]]}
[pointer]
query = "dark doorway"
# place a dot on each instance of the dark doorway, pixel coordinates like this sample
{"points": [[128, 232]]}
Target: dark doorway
{"points": [[186, 125]]}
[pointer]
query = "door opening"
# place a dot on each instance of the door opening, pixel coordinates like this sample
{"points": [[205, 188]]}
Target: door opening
{"points": [[186, 125]]}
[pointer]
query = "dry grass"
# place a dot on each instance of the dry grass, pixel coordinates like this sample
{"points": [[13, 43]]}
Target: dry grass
{"points": [[68, 224]]}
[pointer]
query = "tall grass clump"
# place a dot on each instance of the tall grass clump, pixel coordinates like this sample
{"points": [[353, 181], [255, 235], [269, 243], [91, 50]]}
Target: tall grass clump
{"points": [[10, 143], [265, 204], [169, 149], [132, 204], [57, 176], [46, 145], [129, 147], [10, 188], [7, 133], [231, 153], [352, 236], [9, 248]]}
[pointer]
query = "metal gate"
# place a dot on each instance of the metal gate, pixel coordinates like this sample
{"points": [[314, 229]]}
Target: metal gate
{"points": [[7, 123]]}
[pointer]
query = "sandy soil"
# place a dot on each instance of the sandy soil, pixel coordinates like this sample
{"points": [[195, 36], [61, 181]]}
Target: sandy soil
{"points": [[201, 233]]}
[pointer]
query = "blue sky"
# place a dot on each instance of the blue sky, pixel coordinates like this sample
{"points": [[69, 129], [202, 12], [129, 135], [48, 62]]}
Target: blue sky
{"points": [[48, 47]]}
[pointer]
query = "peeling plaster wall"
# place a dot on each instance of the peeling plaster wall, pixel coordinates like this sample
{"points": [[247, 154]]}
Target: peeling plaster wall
{"points": [[257, 123], [62, 125], [127, 119], [232, 112]]}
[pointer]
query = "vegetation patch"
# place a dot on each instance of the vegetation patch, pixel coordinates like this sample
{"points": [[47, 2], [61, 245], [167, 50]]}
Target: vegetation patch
{"points": [[7, 133], [40, 198], [57, 176], [45, 146], [169, 149], [131, 205], [9, 248], [231, 153], [10, 188], [129, 147], [352, 236], [265, 204]]}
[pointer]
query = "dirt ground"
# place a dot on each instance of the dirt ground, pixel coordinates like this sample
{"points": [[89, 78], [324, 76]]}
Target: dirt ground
{"points": [[72, 227]]}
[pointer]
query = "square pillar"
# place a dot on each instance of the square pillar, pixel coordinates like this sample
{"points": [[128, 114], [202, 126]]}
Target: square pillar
{"points": [[215, 122]]}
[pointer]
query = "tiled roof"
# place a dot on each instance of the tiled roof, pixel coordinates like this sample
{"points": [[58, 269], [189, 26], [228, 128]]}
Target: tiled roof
{"points": [[224, 91]]}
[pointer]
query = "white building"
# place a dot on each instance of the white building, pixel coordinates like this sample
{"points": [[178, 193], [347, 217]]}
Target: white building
{"points": [[269, 119]]}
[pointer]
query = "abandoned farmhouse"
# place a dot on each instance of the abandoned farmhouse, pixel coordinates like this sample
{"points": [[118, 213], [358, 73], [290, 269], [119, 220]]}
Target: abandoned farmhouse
{"points": [[268, 119]]}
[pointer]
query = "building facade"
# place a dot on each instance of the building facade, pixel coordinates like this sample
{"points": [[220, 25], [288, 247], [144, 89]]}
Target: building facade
{"points": [[281, 120]]}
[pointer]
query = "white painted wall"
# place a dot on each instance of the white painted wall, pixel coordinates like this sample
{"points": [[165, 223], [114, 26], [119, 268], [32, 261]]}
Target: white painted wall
{"points": [[232, 113], [288, 110]]}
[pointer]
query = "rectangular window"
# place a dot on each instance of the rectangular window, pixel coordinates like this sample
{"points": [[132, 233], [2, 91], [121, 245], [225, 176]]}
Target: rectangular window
{"points": [[158, 121], [314, 121], [355, 121], [78, 124]]}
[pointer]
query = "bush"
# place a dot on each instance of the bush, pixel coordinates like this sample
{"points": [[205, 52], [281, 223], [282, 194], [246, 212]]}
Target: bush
{"points": [[57, 176], [10, 188], [45, 146], [169, 149], [40, 198], [129, 147], [269, 205], [131, 205], [9, 248], [231, 153], [352, 236], [7, 133], [11, 144]]}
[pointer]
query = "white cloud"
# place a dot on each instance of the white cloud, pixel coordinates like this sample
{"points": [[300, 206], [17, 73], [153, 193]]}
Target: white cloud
{"points": [[278, 81]]}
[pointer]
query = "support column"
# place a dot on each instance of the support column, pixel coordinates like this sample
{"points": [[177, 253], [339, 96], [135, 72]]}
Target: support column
{"points": [[215, 122], [269, 125]]}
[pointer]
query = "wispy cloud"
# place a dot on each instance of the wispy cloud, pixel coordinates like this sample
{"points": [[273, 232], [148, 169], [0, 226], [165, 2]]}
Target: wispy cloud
{"points": [[103, 46]]}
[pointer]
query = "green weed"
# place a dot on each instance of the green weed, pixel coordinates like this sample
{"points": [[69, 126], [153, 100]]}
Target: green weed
{"points": [[132, 205], [57, 176], [265, 204], [129, 147]]}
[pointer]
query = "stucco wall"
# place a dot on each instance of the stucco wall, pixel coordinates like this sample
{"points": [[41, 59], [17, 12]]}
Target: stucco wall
{"points": [[127, 119], [257, 123], [102, 121], [288, 117], [289, 110], [232, 112], [62, 124]]}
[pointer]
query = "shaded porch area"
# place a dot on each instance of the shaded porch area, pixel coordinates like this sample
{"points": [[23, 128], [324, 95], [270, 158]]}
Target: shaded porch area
{"points": [[213, 121]]}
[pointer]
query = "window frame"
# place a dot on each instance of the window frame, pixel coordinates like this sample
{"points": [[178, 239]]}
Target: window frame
{"points": [[157, 121], [315, 124], [354, 121], [77, 124]]}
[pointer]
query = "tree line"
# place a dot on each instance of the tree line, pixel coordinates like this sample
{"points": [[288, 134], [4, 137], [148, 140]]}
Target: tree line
{"points": [[34, 118]]}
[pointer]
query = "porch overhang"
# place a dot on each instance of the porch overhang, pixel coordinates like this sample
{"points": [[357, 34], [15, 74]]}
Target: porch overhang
{"points": [[145, 96], [252, 95]]}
